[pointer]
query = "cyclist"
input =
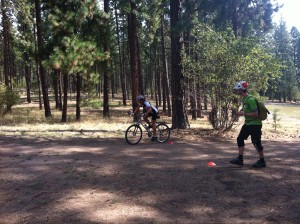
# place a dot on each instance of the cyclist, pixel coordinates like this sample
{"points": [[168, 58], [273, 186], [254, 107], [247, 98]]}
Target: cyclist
{"points": [[149, 111]]}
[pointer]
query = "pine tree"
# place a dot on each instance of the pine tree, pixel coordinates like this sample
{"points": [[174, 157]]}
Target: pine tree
{"points": [[6, 34], [246, 17], [75, 42], [121, 57], [295, 35], [284, 52], [25, 26]]}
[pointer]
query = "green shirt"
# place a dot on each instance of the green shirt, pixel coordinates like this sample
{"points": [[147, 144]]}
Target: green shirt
{"points": [[249, 105]]}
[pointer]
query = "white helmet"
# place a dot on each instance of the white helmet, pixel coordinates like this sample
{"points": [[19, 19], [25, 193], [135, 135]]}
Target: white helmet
{"points": [[140, 97], [242, 85]]}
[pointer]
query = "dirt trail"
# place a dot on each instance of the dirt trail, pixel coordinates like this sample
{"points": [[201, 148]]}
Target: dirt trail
{"points": [[109, 181]]}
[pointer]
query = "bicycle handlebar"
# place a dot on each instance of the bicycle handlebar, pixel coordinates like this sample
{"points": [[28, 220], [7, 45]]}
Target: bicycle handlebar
{"points": [[133, 114], [139, 116]]}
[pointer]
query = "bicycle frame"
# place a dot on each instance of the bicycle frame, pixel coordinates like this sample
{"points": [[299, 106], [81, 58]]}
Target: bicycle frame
{"points": [[141, 122]]}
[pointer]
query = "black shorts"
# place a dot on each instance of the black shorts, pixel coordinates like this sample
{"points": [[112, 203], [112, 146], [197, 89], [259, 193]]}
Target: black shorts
{"points": [[250, 130], [154, 116]]}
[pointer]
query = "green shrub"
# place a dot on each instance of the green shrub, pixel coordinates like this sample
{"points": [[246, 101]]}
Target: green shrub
{"points": [[276, 120], [8, 98], [93, 103]]}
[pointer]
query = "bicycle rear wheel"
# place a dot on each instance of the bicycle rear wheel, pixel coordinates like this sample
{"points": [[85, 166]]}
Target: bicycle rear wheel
{"points": [[163, 132], [133, 134]]}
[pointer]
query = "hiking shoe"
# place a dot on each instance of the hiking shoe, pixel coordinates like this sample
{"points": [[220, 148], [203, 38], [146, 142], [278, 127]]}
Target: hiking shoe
{"points": [[259, 164], [237, 161], [153, 138]]}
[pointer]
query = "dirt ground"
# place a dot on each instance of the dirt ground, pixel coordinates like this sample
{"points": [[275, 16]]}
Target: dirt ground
{"points": [[82, 180]]}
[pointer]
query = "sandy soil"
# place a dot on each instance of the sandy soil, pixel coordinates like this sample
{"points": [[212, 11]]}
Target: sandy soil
{"points": [[76, 180]]}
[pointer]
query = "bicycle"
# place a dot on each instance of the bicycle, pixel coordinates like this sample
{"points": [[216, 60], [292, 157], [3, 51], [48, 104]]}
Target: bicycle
{"points": [[134, 132]]}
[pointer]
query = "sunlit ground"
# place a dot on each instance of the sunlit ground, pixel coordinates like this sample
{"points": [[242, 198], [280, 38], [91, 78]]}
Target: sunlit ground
{"points": [[27, 120]]}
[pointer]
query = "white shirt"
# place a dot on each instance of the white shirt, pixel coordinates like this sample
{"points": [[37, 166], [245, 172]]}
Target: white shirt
{"points": [[147, 105]]}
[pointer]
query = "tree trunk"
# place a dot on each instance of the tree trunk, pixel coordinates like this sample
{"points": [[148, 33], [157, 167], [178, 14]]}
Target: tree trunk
{"points": [[5, 43], [44, 82], [141, 85], [199, 101], [78, 96], [27, 77], [234, 18], [65, 103], [113, 84], [55, 88], [121, 61], [106, 73], [37, 70], [165, 75], [158, 83], [132, 36], [193, 99], [179, 116], [59, 80]]}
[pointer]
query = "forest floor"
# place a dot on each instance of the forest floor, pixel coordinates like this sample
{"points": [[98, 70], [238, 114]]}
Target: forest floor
{"points": [[86, 174]]}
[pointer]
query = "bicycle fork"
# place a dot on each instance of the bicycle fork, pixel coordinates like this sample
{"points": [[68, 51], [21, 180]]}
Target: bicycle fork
{"points": [[135, 129]]}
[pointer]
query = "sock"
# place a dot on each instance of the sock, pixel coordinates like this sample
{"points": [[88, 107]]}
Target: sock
{"points": [[262, 159], [241, 157]]}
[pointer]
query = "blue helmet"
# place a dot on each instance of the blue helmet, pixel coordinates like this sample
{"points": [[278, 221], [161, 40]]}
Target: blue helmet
{"points": [[140, 97]]}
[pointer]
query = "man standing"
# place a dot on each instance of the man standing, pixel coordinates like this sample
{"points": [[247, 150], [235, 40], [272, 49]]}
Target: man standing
{"points": [[252, 126]]}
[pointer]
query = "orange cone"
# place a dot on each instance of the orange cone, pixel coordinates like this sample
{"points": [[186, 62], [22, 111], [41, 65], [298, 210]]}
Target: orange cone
{"points": [[211, 164]]}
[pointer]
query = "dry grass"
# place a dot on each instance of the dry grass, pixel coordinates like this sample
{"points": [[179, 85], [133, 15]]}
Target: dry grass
{"points": [[28, 121]]}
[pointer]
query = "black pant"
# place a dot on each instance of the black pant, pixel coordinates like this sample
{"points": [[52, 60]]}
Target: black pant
{"points": [[255, 132]]}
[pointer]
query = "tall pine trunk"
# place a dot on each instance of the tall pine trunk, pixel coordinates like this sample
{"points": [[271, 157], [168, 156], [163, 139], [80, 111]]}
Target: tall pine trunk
{"points": [[44, 82], [78, 96], [141, 85], [65, 99], [179, 116], [132, 34], [165, 76], [27, 76], [5, 42], [55, 78], [121, 60], [37, 69], [106, 64]]}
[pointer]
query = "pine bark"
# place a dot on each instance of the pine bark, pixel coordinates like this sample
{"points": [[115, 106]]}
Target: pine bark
{"points": [[107, 71], [179, 116], [43, 77], [132, 34]]}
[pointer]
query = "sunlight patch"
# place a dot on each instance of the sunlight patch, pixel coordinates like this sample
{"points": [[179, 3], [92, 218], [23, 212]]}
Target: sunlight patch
{"points": [[16, 217], [198, 210], [16, 176], [95, 205]]}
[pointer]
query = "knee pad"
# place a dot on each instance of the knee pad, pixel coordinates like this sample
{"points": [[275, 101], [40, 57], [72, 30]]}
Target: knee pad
{"points": [[240, 142], [258, 146]]}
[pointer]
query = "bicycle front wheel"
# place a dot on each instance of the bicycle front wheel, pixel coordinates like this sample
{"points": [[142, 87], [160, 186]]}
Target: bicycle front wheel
{"points": [[133, 134], [163, 132]]}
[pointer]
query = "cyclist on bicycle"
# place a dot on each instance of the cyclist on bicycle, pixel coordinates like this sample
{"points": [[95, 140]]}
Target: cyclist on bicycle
{"points": [[149, 111]]}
